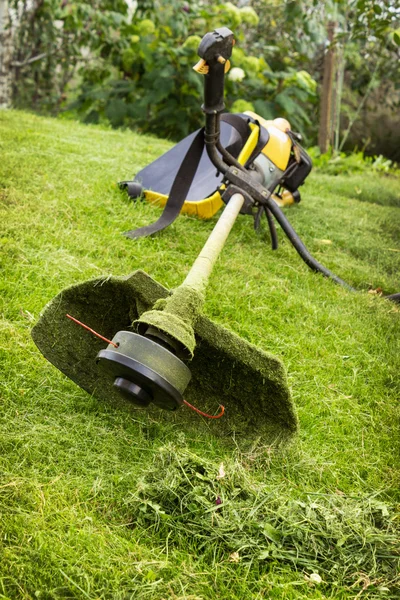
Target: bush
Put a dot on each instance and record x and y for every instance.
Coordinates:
(345, 164)
(147, 81)
(136, 70)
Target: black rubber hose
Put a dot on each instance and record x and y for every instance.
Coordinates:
(393, 297)
(257, 218)
(227, 156)
(231, 160)
(272, 229)
(300, 247)
(211, 139)
(305, 254)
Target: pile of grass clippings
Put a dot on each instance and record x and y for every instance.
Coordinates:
(220, 510)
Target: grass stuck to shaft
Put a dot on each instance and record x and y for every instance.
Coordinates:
(104, 503)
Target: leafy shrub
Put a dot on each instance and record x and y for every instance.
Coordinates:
(146, 80)
(51, 39)
(344, 164)
(136, 70)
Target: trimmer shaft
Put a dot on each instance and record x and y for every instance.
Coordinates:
(143, 371)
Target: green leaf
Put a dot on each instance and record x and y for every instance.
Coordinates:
(264, 109)
(271, 533)
(150, 576)
(286, 102)
(116, 112)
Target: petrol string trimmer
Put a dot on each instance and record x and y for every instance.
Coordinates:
(161, 349)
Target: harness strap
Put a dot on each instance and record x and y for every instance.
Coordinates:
(262, 141)
(186, 173)
(238, 122)
(179, 189)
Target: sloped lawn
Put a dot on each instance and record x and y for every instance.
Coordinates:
(99, 503)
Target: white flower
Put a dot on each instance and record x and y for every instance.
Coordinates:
(221, 471)
(315, 578)
(236, 74)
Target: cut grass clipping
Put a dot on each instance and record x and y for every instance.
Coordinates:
(231, 515)
(104, 502)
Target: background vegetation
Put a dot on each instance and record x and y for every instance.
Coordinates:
(110, 62)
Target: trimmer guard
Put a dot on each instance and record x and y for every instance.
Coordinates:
(250, 383)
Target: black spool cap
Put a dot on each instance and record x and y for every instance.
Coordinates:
(137, 382)
(142, 371)
(132, 392)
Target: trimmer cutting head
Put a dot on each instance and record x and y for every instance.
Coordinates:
(142, 371)
(250, 383)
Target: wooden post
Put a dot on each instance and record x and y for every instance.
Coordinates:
(326, 104)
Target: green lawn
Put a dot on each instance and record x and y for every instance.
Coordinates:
(99, 503)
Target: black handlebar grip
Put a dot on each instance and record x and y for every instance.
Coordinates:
(215, 48)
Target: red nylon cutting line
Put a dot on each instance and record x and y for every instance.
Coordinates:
(92, 331)
(203, 414)
(200, 412)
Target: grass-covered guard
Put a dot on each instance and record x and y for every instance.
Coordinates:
(103, 503)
